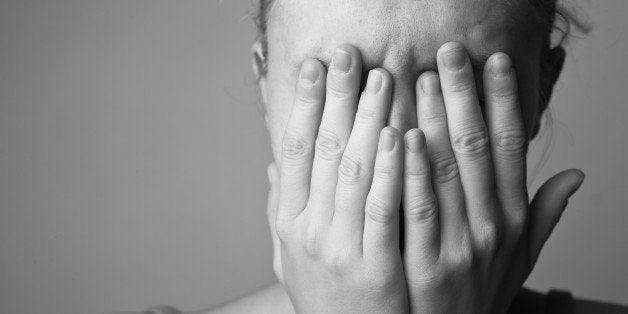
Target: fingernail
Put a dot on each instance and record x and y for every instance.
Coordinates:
(415, 141)
(388, 140)
(341, 61)
(579, 182)
(309, 73)
(374, 82)
(501, 65)
(454, 59)
(430, 84)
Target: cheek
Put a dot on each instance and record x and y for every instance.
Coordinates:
(528, 78)
(278, 106)
(529, 99)
(529, 103)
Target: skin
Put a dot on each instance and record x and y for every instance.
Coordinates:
(403, 38)
(470, 231)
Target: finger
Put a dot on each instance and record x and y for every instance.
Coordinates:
(271, 214)
(443, 167)
(548, 205)
(355, 172)
(343, 84)
(468, 134)
(299, 138)
(381, 226)
(422, 234)
(508, 136)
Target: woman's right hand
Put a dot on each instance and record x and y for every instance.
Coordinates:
(338, 240)
(339, 191)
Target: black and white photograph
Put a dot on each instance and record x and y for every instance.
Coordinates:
(314, 156)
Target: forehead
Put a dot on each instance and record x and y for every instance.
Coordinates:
(397, 34)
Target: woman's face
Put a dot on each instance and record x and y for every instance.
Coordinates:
(402, 36)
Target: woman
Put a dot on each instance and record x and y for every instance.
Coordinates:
(427, 104)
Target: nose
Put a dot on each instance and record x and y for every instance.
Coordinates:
(405, 63)
(403, 112)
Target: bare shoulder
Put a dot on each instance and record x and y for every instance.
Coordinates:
(269, 299)
(582, 306)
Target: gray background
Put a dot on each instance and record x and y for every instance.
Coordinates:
(133, 154)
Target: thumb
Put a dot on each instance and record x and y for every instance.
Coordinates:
(547, 207)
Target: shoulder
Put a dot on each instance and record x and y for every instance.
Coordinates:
(270, 299)
(559, 302)
(156, 310)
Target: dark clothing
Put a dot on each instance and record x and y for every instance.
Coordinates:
(531, 302)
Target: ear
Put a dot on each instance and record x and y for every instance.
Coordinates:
(551, 68)
(259, 63)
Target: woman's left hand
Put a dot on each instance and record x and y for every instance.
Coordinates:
(471, 237)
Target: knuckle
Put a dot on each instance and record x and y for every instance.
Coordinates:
(511, 143)
(420, 210)
(489, 236)
(383, 280)
(519, 218)
(434, 116)
(329, 146)
(517, 223)
(351, 170)
(503, 93)
(415, 173)
(307, 97)
(295, 148)
(378, 211)
(430, 279)
(340, 90)
(338, 261)
(471, 143)
(283, 228)
(365, 114)
(461, 260)
(444, 168)
(460, 85)
(385, 172)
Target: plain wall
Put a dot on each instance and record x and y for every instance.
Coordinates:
(133, 155)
